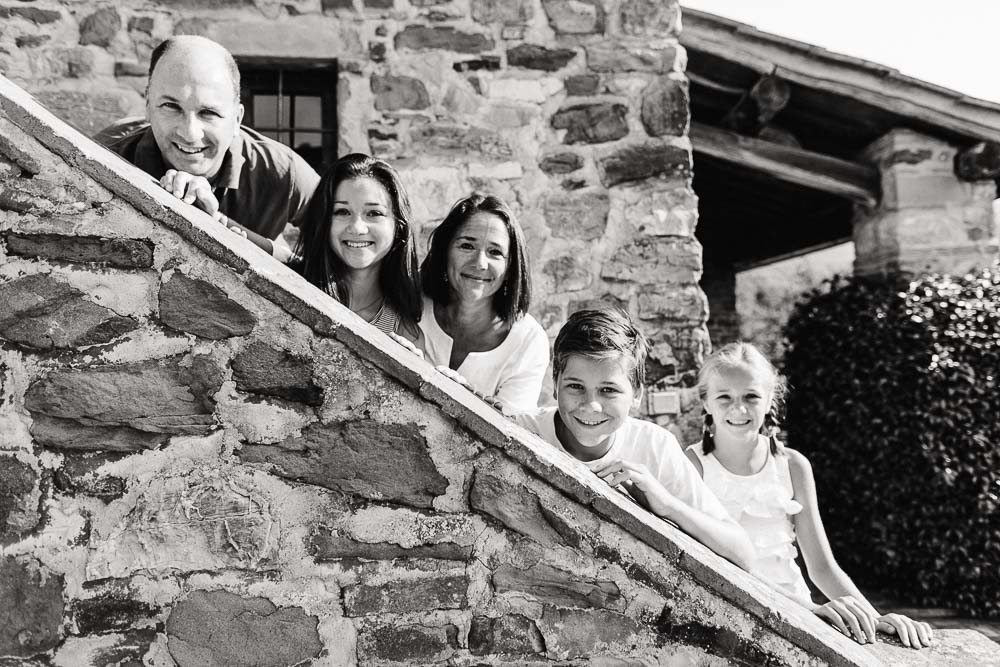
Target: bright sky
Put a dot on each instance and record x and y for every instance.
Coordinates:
(952, 43)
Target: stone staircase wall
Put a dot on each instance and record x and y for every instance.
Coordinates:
(206, 461)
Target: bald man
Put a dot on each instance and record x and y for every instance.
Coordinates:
(193, 143)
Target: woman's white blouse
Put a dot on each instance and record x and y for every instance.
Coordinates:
(512, 372)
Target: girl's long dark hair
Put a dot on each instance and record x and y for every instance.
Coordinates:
(398, 275)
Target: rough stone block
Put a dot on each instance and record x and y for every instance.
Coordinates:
(262, 369)
(459, 140)
(19, 156)
(555, 586)
(582, 84)
(114, 609)
(569, 273)
(577, 215)
(665, 107)
(30, 41)
(423, 38)
(636, 162)
(611, 57)
(40, 312)
(122, 253)
(142, 24)
(572, 633)
(575, 17)
(168, 396)
(407, 595)
(393, 93)
(512, 634)
(222, 628)
(14, 196)
(100, 27)
(32, 608)
(18, 513)
(503, 11)
(686, 303)
(592, 123)
(406, 643)
(656, 261)
(36, 15)
(200, 308)
(326, 544)
(650, 18)
(362, 458)
(534, 56)
(561, 163)
(513, 505)
(722, 642)
(127, 648)
(77, 475)
(69, 434)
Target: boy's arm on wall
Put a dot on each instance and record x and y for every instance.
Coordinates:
(722, 535)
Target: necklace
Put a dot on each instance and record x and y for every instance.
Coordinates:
(378, 301)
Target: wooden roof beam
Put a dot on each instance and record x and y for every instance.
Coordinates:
(758, 106)
(980, 162)
(852, 180)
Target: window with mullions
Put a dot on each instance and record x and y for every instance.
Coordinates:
(295, 104)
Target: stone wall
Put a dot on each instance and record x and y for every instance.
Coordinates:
(928, 219)
(206, 461)
(574, 111)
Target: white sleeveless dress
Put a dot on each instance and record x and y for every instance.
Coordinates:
(763, 505)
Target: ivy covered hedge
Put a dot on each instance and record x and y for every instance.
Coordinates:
(895, 399)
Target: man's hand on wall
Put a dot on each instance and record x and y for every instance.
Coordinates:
(191, 189)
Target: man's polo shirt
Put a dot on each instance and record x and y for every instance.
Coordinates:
(262, 184)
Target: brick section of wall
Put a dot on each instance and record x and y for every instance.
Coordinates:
(199, 519)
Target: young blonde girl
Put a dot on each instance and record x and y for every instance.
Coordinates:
(769, 489)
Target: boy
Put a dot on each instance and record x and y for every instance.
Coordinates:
(599, 366)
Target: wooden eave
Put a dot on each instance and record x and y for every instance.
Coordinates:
(935, 109)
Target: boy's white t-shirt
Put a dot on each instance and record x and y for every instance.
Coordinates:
(645, 443)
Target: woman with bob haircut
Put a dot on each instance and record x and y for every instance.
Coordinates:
(357, 245)
(477, 287)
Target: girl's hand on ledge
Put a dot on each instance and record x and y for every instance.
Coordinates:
(850, 617)
(408, 344)
(914, 634)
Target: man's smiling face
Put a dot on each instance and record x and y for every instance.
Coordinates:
(192, 110)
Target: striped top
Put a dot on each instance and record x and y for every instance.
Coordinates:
(386, 319)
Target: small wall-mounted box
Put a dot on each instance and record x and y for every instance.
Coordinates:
(664, 402)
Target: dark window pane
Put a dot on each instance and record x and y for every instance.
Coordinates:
(308, 111)
(308, 139)
(265, 110)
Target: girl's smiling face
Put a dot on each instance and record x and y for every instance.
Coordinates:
(363, 228)
(738, 398)
(478, 257)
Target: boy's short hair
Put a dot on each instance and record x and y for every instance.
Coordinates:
(601, 333)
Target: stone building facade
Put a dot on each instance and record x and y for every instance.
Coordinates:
(573, 111)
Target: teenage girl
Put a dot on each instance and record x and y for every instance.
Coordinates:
(770, 491)
(358, 246)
